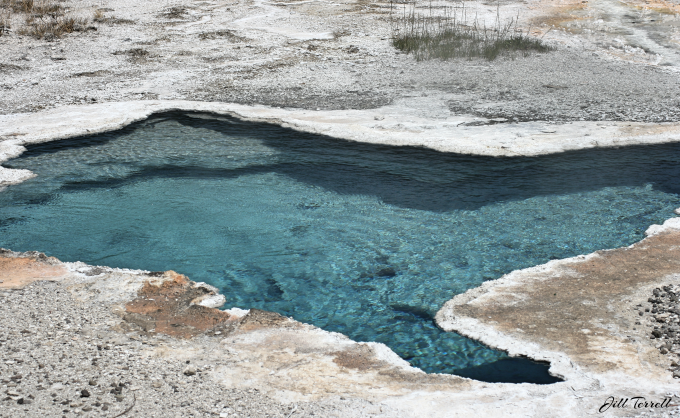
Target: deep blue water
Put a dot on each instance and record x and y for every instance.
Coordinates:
(361, 239)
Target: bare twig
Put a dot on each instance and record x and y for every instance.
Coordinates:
(292, 412)
(134, 399)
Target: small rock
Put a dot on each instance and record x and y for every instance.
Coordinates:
(87, 408)
(387, 272)
(661, 317)
(84, 393)
(92, 382)
(119, 398)
(676, 374)
(189, 371)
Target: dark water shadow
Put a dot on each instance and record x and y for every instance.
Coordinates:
(511, 370)
(410, 177)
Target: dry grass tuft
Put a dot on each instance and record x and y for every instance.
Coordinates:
(42, 19)
(177, 12)
(50, 27)
(221, 34)
(135, 55)
(100, 17)
(5, 22)
(453, 35)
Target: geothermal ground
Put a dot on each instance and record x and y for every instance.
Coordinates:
(94, 341)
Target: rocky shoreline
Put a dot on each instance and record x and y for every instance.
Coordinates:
(60, 357)
(72, 345)
(664, 310)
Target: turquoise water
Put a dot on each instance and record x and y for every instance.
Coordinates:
(361, 239)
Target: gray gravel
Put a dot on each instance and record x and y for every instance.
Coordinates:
(663, 311)
(557, 86)
(60, 357)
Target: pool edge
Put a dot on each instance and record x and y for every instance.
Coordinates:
(388, 125)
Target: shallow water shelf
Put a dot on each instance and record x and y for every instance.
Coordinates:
(366, 240)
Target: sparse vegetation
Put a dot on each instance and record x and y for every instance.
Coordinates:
(135, 55)
(221, 34)
(116, 21)
(100, 17)
(452, 35)
(42, 19)
(5, 21)
(48, 27)
(177, 12)
(337, 34)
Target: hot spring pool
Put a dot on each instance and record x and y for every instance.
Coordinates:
(361, 239)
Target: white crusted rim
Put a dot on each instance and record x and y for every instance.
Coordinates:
(397, 124)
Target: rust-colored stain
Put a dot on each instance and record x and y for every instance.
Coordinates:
(570, 310)
(358, 357)
(641, 129)
(659, 6)
(167, 308)
(558, 15)
(17, 272)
